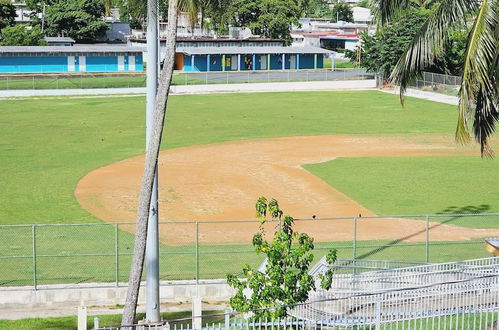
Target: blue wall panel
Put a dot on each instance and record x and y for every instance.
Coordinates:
(306, 61)
(102, 63)
(276, 62)
(216, 63)
(320, 61)
(200, 63)
(33, 64)
(139, 63)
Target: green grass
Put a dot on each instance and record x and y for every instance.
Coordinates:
(418, 185)
(66, 82)
(338, 64)
(71, 322)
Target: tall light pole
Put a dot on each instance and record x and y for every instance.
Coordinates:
(152, 245)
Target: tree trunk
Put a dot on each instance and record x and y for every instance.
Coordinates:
(150, 167)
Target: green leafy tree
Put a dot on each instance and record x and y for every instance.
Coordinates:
(380, 52)
(22, 35)
(269, 18)
(285, 281)
(318, 8)
(78, 19)
(7, 13)
(479, 91)
(363, 4)
(342, 12)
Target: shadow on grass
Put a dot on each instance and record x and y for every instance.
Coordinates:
(449, 210)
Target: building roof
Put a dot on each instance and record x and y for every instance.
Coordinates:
(214, 40)
(252, 50)
(59, 39)
(73, 49)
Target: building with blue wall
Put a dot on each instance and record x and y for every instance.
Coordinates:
(203, 59)
(64, 59)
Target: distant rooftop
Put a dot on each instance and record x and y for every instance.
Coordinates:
(252, 50)
(59, 39)
(74, 49)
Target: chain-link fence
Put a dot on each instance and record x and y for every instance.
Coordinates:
(71, 81)
(88, 81)
(439, 83)
(38, 255)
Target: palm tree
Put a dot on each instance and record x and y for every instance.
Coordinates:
(150, 167)
(478, 93)
(108, 4)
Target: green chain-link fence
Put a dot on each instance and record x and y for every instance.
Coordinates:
(37, 255)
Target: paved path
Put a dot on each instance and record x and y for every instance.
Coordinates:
(436, 97)
(201, 89)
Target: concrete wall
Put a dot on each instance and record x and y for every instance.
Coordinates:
(99, 295)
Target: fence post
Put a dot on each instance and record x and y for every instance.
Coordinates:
(354, 249)
(116, 255)
(7, 82)
(227, 319)
(378, 313)
(197, 253)
(33, 235)
(427, 239)
(33, 82)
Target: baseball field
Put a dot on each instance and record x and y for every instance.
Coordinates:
(323, 154)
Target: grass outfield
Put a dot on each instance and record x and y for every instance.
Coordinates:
(48, 144)
(414, 185)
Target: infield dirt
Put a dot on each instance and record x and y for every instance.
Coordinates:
(222, 182)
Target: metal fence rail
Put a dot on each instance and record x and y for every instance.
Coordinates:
(74, 254)
(406, 293)
(128, 80)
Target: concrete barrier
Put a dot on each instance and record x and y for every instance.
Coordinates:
(97, 294)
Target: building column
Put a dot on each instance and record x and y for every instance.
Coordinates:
(268, 62)
(315, 61)
(283, 61)
(297, 61)
(254, 62)
(192, 63)
(223, 62)
(238, 62)
(208, 62)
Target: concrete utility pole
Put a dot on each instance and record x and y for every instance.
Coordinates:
(152, 246)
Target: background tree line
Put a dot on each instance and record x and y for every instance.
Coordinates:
(380, 52)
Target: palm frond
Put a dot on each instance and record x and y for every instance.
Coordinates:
(385, 10)
(429, 41)
(478, 95)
